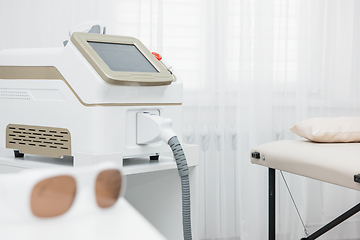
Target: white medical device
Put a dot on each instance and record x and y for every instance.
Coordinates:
(100, 95)
(83, 99)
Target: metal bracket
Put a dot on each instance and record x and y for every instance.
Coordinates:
(357, 178)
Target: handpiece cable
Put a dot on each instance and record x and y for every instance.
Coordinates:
(165, 132)
(185, 186)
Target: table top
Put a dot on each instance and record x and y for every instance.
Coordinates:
(335, 163)
(122, 221)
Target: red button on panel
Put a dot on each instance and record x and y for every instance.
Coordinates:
(158, 56)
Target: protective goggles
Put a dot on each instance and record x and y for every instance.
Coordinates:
(51, 192)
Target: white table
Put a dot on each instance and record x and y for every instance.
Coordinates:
(122, 222)
(153, 190)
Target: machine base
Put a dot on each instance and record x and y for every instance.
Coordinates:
(155, 157)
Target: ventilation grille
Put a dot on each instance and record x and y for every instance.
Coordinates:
(45, 141)
(14, 95)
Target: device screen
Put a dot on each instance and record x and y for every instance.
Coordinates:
(122, 57)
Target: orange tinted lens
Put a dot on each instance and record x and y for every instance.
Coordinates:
(107, 187)
(53, 196)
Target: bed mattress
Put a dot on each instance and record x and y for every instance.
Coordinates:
(335, 163)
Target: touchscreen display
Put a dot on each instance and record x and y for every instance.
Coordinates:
(122, 57)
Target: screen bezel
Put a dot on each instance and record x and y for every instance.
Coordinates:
(162, 77)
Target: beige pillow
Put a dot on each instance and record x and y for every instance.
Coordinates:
(342, 129)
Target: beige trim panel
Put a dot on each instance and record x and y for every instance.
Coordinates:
(162, 77)
(52, 73)
(39, 140)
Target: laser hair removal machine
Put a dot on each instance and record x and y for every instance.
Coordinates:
(100, 95)
(83, 99)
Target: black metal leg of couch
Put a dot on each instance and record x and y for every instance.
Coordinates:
(272, 224)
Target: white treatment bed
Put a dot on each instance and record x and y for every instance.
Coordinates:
(336, 163)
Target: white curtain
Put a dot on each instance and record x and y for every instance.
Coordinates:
(251, 69)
